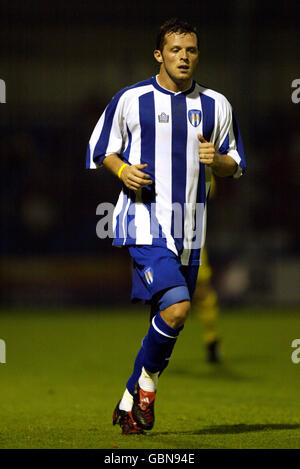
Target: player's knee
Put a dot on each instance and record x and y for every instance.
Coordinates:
(176, 314)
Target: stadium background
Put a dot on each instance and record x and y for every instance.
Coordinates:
(62, 63)
(65, 293)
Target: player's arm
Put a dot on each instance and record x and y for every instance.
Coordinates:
(132, 175)
(221, 165)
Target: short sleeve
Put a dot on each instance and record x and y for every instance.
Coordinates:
(229, 140)
(109, 133)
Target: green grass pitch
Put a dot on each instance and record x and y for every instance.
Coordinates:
(65, 371)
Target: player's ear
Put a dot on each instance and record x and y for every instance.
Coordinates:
(158, 56)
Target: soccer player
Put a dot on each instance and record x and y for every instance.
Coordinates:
(205, 301)
(163, 137)
(205, 305)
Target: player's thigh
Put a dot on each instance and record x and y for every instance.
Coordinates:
(156, 270)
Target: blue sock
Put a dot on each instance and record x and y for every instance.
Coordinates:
(167, 359)
(158, 344)
(155, 351)
(137, 369)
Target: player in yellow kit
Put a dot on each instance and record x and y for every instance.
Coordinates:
(206, 304)
(207, 309)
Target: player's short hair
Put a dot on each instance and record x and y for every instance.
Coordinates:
(174, 25)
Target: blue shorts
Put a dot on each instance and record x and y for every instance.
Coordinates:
(157, 269)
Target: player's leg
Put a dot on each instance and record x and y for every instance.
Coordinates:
(174, 306)
(157, 350)
(137, 404)
(207, 309)
(159, 342)
(156, 306)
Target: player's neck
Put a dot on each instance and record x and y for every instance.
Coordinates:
(165, 81)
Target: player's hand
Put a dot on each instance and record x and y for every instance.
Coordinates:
(134, 178)
(207, 151)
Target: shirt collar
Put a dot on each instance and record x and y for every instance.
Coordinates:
(164, 90)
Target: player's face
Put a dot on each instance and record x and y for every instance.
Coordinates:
(179, 57)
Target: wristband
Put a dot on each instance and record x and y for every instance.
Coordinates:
(121, 170)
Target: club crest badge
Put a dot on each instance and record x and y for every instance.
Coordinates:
(148, 275)
(194, 117)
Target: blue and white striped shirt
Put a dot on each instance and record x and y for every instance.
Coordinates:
(146, 123)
